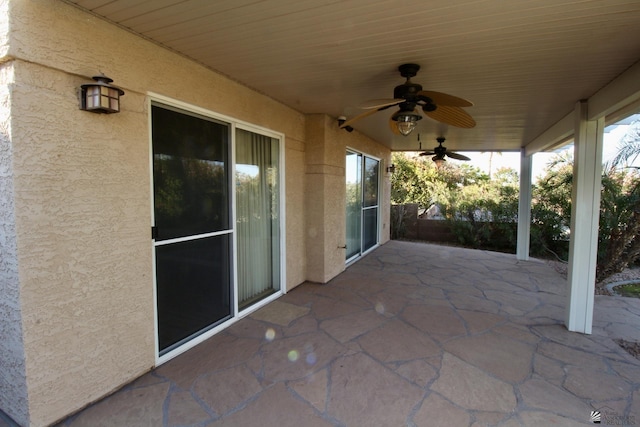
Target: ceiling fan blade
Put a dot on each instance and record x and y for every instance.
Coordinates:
(454, 116)
(457, 156)
(358, 117)
(377, 103)
(427, 153)
(440, 98)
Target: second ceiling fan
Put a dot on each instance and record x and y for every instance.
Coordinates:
(410, 98)
(442, 152)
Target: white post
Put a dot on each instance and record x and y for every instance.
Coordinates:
(524, 208)
(585, 214)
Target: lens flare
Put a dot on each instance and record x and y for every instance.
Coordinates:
(311, 359)
(380, 308)
(293, 356)
(270, 334)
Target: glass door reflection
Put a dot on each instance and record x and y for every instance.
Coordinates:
(192, 230)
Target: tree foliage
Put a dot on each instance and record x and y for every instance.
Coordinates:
(551, 209)
(619, 243)
(629, 148)
(418, 180)
(482, 212)
(619, 226)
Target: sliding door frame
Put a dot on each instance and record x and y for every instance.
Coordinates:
(363, 252)
(281, 215)
(236, 313)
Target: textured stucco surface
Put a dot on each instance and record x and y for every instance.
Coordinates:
(76, 214)
(13, 386)
(4, 30)
(315, 235)
(82, 219)
(294, 211)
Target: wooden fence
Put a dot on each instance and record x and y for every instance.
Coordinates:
(405, 224)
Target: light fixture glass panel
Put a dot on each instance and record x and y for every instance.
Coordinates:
(405, 128)
(104, 102)
(93, 94)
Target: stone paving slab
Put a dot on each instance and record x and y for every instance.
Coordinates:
(411, 335)
(280, 313)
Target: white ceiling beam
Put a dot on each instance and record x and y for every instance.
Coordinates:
(556, 135)
(619, 98)
(621, 92)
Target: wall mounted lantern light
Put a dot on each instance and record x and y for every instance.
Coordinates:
(391, 168)
(100, 96)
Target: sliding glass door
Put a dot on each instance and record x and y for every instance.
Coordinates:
(362, 210)
(354, 204)
(192, 231)
(217, 250)
(257, 216)
(370, 204)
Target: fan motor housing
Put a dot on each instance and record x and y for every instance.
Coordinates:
(408, 91)
(440, 150)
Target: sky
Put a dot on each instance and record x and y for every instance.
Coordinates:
(612, 137)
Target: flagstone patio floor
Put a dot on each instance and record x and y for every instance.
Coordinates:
(411, 335)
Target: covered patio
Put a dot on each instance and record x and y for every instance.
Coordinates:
(408, 334)
(413, 334)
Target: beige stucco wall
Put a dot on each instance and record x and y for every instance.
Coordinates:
(84, 256)
(12, 361)
(81, 309)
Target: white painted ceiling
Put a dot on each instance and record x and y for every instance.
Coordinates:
(523, 63)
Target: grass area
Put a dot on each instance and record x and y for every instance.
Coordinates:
(630, 290)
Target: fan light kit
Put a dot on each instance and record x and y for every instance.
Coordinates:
(440, 153)
(409, 97)
(406, 121)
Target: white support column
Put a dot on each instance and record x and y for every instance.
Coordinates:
(524, 208)
(585, 214)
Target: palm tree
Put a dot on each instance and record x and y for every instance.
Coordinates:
(622, 247)
(491, 154)
(629, 148)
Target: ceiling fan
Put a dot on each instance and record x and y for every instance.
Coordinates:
(440, 153)
(410, 97)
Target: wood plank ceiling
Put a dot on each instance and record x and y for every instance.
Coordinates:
(523, 63)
